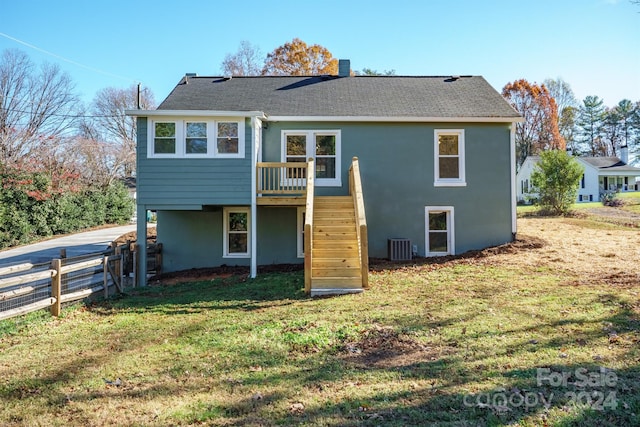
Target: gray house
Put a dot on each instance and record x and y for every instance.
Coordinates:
(326, 170)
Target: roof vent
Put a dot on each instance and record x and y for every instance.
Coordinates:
(344, 68)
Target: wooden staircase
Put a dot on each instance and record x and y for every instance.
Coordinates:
(336, 265)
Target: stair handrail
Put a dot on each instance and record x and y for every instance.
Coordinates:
(308, 225)
(355, 190)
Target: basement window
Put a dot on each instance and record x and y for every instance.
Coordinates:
(439, 234)
(236, 225)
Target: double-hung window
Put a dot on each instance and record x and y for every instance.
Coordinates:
(236, 226)
(322, 145)
(439, 226)
(227, 142)
(164, 138)
(449, 165)
(196, 138)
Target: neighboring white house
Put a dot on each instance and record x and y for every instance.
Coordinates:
(601, 174)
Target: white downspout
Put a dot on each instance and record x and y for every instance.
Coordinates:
(512, 150)
(256, 126)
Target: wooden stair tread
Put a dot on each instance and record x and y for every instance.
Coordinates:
(336, 257)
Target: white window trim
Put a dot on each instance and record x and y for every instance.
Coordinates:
(300, 229)
(311, 152)
(241, 141)
(181, 140)
(225, 232)
(449, 182)
(451, 235)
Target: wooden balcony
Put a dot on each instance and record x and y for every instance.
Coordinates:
(282, 184)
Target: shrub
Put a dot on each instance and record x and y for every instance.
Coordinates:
(611, 199)
(556, 177)
(29, 208)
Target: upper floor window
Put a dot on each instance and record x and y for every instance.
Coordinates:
(227, 142)
(195, 138)
(449, 165)
(196, 141)
(164, 141)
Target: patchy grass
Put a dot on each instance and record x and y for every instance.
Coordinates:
(627, 215)
(477, 340)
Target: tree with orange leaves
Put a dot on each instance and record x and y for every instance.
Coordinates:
(296, 58)
(539, 130)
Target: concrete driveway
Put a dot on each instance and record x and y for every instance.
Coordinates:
(75, 244)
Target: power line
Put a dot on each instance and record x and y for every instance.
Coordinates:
(68, 116)
(96, 70)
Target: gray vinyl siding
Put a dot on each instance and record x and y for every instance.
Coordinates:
(194, 239)
(165, 183)
(397, 162)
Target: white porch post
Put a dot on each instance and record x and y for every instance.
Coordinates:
(256, 126)
(512, 149)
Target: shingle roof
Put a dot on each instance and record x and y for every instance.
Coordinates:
(365, 96)
(610, 163)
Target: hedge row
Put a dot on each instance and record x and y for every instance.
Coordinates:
(28, 213)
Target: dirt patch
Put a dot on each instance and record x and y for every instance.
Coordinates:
(522, 243)
(222, 272)
(603, 254)
(383, 347)
(612, 212)
(131, 237)
(613, 215)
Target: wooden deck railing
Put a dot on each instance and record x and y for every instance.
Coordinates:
(355, 190)
(308, 228)
(281, 178)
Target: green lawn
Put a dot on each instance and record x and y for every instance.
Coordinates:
(631, 204)
(458, 343)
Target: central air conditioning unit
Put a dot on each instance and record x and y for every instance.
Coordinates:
(399, 250)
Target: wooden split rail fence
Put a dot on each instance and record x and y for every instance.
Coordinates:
(29, 287)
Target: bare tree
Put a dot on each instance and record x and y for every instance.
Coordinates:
(36, 104)
(97, 163)
(247, 61)
(110, 124)
(567, 110)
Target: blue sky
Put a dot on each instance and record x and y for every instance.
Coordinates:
(591, 44)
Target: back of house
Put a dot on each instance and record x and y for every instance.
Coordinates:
(225, 163)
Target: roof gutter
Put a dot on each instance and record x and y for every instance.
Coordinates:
(192, 113)
(398, 119)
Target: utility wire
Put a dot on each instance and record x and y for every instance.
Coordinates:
(68, 116)
(96, 70)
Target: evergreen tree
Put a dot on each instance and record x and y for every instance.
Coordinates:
(590, 124)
